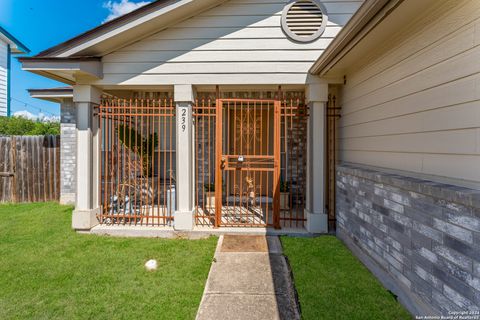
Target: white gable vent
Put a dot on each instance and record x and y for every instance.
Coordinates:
(304, 20)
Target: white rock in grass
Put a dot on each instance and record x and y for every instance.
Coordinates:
(151, 265)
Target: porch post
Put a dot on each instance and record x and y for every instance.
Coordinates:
(317, 219)
(184, 216)
(85, 98)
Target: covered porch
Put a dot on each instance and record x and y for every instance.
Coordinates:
(201, 158)
(190, 115)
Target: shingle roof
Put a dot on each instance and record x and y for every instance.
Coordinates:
(104, 27)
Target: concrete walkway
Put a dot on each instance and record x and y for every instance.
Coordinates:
(249, 279)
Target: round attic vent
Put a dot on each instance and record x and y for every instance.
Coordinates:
(304, 20)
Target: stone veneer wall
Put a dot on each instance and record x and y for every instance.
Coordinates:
(425, 235)
(68, 152)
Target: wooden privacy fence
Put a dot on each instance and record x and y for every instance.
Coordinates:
(29, 168)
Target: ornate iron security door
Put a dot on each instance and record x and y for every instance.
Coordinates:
(247, 190)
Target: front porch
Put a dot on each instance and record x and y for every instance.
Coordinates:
(196, 159)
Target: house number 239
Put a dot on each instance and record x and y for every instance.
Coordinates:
(183, 119)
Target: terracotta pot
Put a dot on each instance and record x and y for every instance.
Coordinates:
(210, 199)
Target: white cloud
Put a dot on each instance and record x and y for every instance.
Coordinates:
(40, 117)
(25, 114)
(118, 9)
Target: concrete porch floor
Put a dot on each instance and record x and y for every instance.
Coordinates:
(197, 233)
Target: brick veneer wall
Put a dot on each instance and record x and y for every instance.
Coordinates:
(425, 235)
(68, 152)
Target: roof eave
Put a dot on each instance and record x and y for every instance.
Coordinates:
(129, 28)
(65, 70)
(52, 94)
(110, 25)
(369, 15)
(15, 45)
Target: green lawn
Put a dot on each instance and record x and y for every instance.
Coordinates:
(333, 284)
(47, 271)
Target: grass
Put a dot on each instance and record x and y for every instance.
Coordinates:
(333, 284)
(47, 271)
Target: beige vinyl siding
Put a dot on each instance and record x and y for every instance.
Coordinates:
(415, 106)
(237, 42)
(3, 78)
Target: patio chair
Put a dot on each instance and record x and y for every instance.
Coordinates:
(131, 194)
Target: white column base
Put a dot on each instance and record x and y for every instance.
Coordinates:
(85, 219)
(184, 221)
(316, 222)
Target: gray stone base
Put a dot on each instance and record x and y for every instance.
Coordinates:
(410, 301)
(424, 235)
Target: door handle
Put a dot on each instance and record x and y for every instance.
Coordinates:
(222, 163)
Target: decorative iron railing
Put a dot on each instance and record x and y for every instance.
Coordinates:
(137, 162)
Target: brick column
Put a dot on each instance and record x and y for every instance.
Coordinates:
(68, 152)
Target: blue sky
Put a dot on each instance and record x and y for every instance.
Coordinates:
(41, 24)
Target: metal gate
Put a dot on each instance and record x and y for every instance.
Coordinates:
(333, 114)
(137, 166)
(248, 158)
(250, 165)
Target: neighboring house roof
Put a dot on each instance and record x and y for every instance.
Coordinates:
(15, 45)
(128, 28)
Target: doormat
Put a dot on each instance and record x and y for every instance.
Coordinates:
(239, 243)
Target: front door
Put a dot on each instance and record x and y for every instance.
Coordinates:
(247, 190)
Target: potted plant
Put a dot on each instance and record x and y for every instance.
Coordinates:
(144, 147)
(209, 194)
(284, 195)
